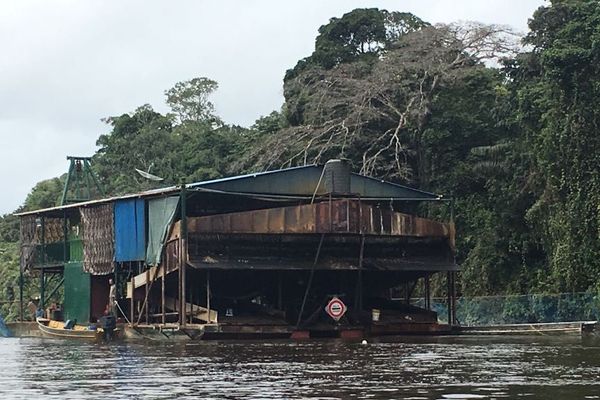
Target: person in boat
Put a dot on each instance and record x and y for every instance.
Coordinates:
(108, 322)
(112, 297)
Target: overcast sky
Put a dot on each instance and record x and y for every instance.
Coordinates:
(66, 64)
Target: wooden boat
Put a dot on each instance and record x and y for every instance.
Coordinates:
(547, 328)
(57, 329)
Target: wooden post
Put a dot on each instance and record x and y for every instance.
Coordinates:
(360, 272)
(164, 275)
(191, 306)
(183, 254)
(208, 296)
(147, 295)
(21, 292)
(427, 292)
(449, 295)
(42, 289)
(179, 268)
(132, 305)
(149, 285)
(453, 298)
(43, 270)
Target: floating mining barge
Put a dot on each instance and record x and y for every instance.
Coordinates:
(312, 251)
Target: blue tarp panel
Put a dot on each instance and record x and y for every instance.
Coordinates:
(130, 230)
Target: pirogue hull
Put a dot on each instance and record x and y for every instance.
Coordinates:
(56, 329)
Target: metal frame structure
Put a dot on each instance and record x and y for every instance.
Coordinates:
(271, 189)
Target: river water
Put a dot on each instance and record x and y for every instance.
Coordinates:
(399, 368)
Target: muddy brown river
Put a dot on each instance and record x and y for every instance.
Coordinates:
(398, 368)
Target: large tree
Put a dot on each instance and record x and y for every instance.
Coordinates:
(190, 100)
(363, 33)
(377, 113)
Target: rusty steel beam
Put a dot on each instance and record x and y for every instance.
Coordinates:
(338, 216)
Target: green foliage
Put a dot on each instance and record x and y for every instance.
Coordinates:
(361, 34)
(189, 99)
(514, 309)
(558, 86)
(195, 147)
(270, 124)
(142, 140)
(45, 194)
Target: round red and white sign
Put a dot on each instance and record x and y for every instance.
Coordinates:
(336, 308)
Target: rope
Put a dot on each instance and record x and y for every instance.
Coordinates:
(123, 313)
(312, 200)
(310, 279)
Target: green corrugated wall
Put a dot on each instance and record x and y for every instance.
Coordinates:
(77, 293)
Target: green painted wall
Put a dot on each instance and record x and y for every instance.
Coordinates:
(75, 250)
(77, 293)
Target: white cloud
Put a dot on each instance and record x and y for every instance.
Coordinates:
(66, 64)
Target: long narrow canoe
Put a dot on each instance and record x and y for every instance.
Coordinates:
(547, 328)
(57, 329)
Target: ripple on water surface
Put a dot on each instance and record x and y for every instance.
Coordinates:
(414, 368)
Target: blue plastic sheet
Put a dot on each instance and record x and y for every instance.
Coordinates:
(130, 230)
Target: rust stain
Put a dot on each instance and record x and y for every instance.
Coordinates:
(339, 216)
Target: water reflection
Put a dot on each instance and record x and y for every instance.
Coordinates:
(414, 368)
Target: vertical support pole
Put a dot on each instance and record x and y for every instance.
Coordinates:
(449, 295)
(453, 298)
(191, 305)
(65, 238)
(179, 268)
(21, 292)
(132, 305)
(147, 294)
(406, 293)
(208, 296)
(330, 215)
(360, 272)
(162, 293)
(183, 254)
(78, 180)
(427, 292)
(117, 282)
(42, 304)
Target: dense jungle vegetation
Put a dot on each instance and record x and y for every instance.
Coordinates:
(508, 126)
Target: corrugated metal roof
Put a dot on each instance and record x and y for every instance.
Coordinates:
(294, 181)
(153, 192)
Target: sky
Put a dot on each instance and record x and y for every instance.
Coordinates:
(66, 64)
